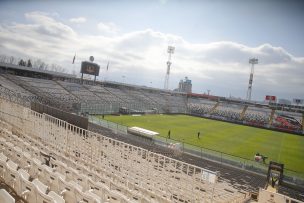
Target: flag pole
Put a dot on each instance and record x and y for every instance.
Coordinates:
(107, 71)
(73, 62)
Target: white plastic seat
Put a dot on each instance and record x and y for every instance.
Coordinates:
(9, 150)
(25, 176)
(17, 155)
(40, 186)
(2, 144)
(26, 147)
(28, 190)
(68, 190)
(42, 197)
(54, 181)
(100, 189)
(57, 198)
(3, 160)
(11, 173)
(46, 174)
(14, 139)
(61, 167)
(70, 173)
(112, 197)
(41, 192)
(5, 197)
(82, 180)
(35, 152)
(88, 197)
(3, 157)
(36, 168)
(25, 161)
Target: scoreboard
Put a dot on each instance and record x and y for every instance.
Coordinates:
(89, 68)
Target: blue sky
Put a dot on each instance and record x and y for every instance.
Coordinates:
(213, 39)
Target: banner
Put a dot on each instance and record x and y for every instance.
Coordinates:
(270, 98)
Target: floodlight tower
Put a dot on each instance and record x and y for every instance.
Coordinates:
(252, 61)
(170, 51)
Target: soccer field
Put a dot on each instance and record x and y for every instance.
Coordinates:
(238, 140)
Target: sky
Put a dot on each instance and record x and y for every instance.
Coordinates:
(213, 41)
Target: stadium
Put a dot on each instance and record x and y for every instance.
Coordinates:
(151, 101)
(69, 139)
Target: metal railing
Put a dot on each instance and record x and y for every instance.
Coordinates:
(290, 176)
(115, 127)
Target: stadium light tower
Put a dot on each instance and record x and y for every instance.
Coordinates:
(252, 61)
(170, 51)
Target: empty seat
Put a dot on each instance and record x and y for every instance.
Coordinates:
(68, 190)
(9, 147)
(90, 197)
(42, 195)
(56, 197)
(54, 182)
(28, 190)
(25, 161)
(36, 168)
(41, 190)
(5, 197)
(45, 175)
(2, 144)
(22, 175)
(11, 174)
(17, 155)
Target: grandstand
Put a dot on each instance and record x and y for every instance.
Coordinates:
(201, 106)
(61, 162)
(44, 159)
(257, 115)
(228, 111)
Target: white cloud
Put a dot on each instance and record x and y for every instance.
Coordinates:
(141, 56)
(78, 20)
(46, 25)
(107, 28)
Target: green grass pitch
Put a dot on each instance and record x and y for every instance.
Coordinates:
(238, 140)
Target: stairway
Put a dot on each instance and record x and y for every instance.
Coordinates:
(66, 89)
(40, 96)
(244, 111)
(271, 117)
(213, 108)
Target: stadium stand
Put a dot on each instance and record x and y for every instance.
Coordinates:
(261, 116)
(62, 162)
(50, 88)
(287, 120)
(103, 93)
(100, 99)
(201, 106)
(228, 111)
(46, 91)
(98, 167)
(157, 97)
(11, 86)
(79, 91)
(257, 115)
(177, 104)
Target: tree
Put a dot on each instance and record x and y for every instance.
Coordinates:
(29, 63)
(20, 63)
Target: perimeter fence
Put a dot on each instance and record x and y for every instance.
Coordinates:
(290, 176)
